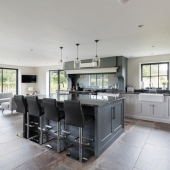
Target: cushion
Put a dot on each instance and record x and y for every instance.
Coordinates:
(4, 100)
(6, 95)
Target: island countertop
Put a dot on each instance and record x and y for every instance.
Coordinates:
(85, 99)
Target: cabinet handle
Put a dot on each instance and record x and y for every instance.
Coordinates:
(113, 112)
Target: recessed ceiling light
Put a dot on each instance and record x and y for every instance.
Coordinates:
(18, 59)
(140, 26)
(153, 46)
(31, 49)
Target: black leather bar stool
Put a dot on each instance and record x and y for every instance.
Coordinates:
(35, 109)
(21, 107)
(52, 112)
(74, 116)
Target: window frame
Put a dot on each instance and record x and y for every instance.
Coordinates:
(96, 79)
(2, 68)
(158, 63)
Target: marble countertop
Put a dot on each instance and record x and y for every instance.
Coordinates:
(85, 99)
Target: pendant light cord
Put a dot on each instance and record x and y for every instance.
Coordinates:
(96, 47)
(77, 50)
(61, 53)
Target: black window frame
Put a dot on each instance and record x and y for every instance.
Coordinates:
(158, 63)
(58, 79)
(2, 68)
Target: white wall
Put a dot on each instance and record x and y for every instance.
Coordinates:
(43, 78)
(133, 68)
(22, 87)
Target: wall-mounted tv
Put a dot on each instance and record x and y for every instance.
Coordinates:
(28, 79)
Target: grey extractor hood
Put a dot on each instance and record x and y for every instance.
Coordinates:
(92, 70)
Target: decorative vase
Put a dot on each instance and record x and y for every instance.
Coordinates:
(163, 87)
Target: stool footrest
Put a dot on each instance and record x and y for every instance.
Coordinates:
(66, 132)
(75, 154)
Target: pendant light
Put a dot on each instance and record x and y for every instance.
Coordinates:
(61, 63)
(96, 59)
(77, 61)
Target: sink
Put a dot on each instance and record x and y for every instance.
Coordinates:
(151, 97)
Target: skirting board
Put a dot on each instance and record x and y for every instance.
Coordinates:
(148, 118)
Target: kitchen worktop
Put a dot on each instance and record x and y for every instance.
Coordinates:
(85, 99)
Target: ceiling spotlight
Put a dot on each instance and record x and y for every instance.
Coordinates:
(140, 26)
(123, 1)
(153, 46)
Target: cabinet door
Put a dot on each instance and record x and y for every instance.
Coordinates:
(144, 108)
(167, 108)
(117, 114)
(157, 109)
(133, 104)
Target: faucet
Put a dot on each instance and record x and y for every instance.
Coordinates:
(153, 89)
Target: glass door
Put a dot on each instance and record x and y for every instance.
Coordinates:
(9, 80)
(58, 82)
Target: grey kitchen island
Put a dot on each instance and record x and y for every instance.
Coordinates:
(108, 123)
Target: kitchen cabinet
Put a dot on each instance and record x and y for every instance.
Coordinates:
(157, 109)
(131, 103)
(144, 108)
(167, 107)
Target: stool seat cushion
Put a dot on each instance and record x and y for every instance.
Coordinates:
(88, 119)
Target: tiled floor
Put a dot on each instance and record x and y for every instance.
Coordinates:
(144, 146)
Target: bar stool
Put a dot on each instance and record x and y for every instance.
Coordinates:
(21, 107)
(34, 109)
(74, 116)
(52, 112)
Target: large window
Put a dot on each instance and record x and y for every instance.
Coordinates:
(58, 81)
(99, 80)
(155, 74)
(9, 80)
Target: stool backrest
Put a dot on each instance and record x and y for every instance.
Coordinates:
(73, 113)
(20, 102)
(34, 108)
(51, 110)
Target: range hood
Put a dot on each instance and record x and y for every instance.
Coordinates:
(93, 70)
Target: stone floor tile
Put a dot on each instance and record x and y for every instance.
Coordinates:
(18, 157)
(159, 137)
(62, 167)
(144, 126)
(135, 138)
(154, 158)
(120, 157)
(9, 147)
(163, 126)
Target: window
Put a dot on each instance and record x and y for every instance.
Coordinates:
(9, 80)
(99, 80)
(155, 74)
(58, 81)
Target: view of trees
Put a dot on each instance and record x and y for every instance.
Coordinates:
(8, 80)
(155, 74)
(100, 80)
(54, 79)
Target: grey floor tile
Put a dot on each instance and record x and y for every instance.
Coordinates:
(1, 134)
(159, 137)
(135, 138)
(12, 130)
(154, 158)
(12, 146)
(144, 126)
(19, 156)
(7, 138)
(120, 157)
(62, 167)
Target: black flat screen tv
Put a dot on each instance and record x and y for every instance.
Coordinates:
(28, 79)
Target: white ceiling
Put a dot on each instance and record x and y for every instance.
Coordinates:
(45, 25)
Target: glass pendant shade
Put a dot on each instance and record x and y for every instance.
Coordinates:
(96, 59)
(77, 61)
(61, 64)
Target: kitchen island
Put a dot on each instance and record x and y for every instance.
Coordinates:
(108, 123)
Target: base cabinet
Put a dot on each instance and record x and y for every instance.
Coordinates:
(152, 111)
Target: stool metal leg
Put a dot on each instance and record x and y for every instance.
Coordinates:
(58, 140)
(28, 122)
(80, 144)
(41, 131)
